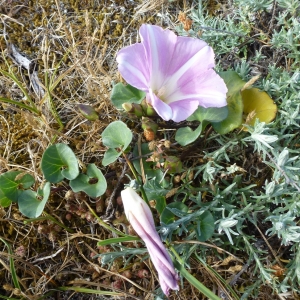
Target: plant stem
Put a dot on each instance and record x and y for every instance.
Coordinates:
(134, 172)
(179, 264)
(49, 217)
(32, 109)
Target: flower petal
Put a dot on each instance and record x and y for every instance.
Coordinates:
(172, 69)
(131, 199)
(159, 46)
(191, 55)
(153, 243)
(183, 109)
(162, 108)
(158, 254)
(133, 66)
(208, 89)
(166, 271)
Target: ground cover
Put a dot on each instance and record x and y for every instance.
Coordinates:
(230, 207)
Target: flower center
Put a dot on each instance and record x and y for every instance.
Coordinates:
(161, 94)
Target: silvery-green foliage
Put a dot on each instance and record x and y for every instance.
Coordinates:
(273, 204)
(262, 142)
(255, 5)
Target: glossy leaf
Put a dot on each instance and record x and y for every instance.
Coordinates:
(187, 135)
(117, 135)
(235, 104)
(4, 201)
(125, 93)
(25, 181)
(258, 104)
(110, 156)
(82, 290)
(29, 203)
(59, 162)
(86, 183)
(211, 114)
(11, 183)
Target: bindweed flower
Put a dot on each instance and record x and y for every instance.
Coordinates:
(175, 72)
(140, 217)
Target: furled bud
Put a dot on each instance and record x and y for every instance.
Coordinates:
(133, 108)
(140, 217)
(88, 112)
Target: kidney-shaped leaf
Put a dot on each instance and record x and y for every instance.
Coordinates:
(59, 162)
(125, 93)
(235, 104)
(258, 104)
(11, 183)
(211, 114)
(93, 184)
(32, 204)
(187, 135)
(4, 201)
(110, 156)
(117, 135)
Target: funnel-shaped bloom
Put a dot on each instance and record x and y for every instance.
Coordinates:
(140, 217)
(175, 72)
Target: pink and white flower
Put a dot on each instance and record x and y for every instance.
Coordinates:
(175, 72)
(140, 217)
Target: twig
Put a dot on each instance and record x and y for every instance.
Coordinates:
(49, 256)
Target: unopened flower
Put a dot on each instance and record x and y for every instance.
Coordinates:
(175, 72)
(140, 217)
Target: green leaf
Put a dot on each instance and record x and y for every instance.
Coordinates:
(26, 181)
(13, 272)
(195, 282)
(156, 189)
(30, 205)
(122, 239)
(59, 162)
(186, 135)
(78, 289)
(160, 203)
(210, 114)
(83, 182)
(110, 156)
(167, 217)
(4, 201)
(235, 104)
(117, 135)
(125, 93)
(205, 226)
(10, 185)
